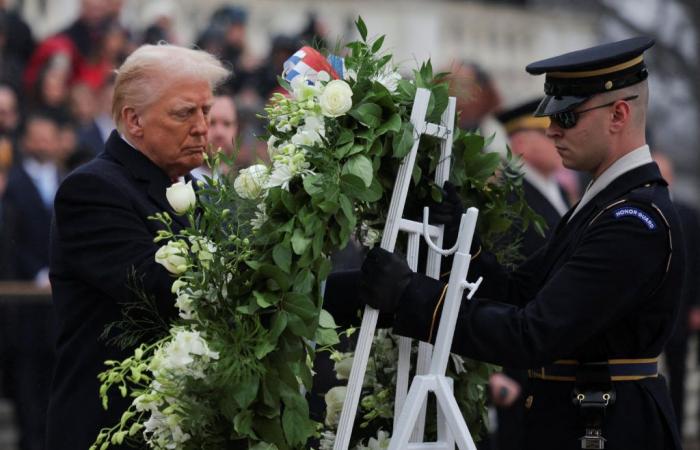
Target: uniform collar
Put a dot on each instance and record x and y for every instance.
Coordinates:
(630, 161)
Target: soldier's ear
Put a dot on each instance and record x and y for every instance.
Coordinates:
(132, 121)
(621, 115)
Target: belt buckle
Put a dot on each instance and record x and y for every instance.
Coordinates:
(593, 439)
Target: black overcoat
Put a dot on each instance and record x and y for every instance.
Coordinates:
(100, 234)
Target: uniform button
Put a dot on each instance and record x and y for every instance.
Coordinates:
(528, 402)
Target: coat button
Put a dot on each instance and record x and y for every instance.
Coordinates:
(528, 402)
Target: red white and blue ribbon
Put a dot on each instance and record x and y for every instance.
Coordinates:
(308, 62)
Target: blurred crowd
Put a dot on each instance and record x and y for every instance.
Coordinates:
(55, 106)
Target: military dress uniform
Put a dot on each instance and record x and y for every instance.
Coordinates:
(589, 313)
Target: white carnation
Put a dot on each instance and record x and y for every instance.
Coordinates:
(388, 79)
(334, 404)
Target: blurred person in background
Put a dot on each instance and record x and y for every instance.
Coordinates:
(28, 199)
(51, 91)
(159, 17)
(223, 132)
(265, 79)
(232, 22)
(478, 100)
(82, 104)
(9, 113)
(688, 323)
(94, 134)
(19, 43)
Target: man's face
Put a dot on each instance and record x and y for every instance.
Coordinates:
(173, 129)
(537, 150)
(223, 124)
(41, 139)
(8, 111)
(584, 147)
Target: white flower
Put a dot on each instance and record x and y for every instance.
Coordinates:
(323, 76)
(204, 248)
(302, 90)
(315, 124)
(389, 79)
(336, 98)
(334, 404)
(181, 196)
(306, 138)
(172, 257)
(185, 303)
(250, 181)
(271, 147)
(281, 176)
(342, 368)
(260, 218)
(458, 362)
(350, 74)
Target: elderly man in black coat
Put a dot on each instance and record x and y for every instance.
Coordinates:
(101, 233)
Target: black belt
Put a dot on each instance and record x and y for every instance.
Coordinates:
(620, 369)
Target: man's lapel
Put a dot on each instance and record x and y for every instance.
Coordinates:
(154, 179)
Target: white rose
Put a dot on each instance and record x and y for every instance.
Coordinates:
(342, 368)
(181, 196)
(271, 146)
(336, 98)
(250, 181)
(172, 257)
(334, 404)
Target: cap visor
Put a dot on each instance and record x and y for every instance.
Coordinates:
(556, 104)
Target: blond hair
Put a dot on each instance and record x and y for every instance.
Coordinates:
(142, 77)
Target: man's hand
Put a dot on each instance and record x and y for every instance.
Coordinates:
(504, 390)
(449, 211)
(384, 278)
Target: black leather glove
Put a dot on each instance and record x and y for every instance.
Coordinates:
(384, 279)
(449, 211)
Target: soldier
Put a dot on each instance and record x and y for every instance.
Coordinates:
(590, 312)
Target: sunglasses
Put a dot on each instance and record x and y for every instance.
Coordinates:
(568, 119)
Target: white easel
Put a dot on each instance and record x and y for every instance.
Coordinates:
(415, 230)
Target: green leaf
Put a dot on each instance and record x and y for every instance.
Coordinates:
(361, 167)
(299, 242)
(361, 27)
(393, 124)
(264, 300)
(263, 348)
(313, 185)
(378, 43)
(246, 390)
(403, 140)
(344, 137)
(346, 206)
(300, 305)
(368, 114)
(243, 423)
(326, 336)
(264, 446)
(271, 429)
(282, 255)
(275, 273)
(295, 419)
(279, 323)
(304, 282)
(325, 320)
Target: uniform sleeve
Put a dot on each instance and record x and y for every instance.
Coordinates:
(620, 260)
(102, 238)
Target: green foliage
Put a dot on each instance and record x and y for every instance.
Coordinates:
(254, 264)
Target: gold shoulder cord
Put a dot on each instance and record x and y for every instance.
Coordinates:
(435, 311)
